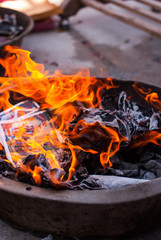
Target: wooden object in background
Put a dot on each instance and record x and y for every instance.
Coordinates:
(137, 9)
(152, 3)
(37, 9)
(127, 18)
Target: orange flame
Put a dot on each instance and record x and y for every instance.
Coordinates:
(29, 79)
(148, 137)
(61, 93)
(148, 95)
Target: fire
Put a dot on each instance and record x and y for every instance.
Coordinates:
(26, 77)
(148, 95)
(35, 172)
(148, 137)
(62, 94)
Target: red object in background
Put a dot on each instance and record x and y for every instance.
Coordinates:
(44, 25)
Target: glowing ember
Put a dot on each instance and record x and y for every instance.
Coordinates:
(62, 127)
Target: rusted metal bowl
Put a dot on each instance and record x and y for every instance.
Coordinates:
(22, 20)
(100, 213)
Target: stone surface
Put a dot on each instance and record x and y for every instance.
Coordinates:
(105, 46)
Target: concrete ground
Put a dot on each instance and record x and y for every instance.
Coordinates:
(106, 47)
(100, 43)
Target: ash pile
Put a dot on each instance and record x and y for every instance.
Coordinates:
(113, 145)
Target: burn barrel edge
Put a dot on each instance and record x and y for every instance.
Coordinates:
(37, 210)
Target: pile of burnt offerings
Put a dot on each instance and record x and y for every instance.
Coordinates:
(115, 142)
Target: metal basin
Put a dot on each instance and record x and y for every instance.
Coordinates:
(23, 20)
(100, 213)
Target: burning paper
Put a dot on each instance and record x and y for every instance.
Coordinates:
(72, 128)
(27, 137)
(19, 110)
(25, 130)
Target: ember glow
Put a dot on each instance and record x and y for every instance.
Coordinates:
(56, 128)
